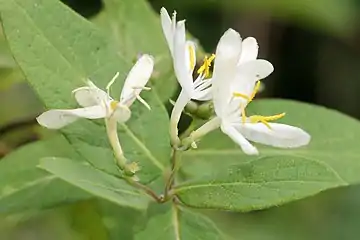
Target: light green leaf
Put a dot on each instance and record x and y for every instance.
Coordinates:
(57, 51)
(24, 186)
(135, 28)
(96, 182)
(221, 176)
(181, 224)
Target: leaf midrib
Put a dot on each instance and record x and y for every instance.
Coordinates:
(221, 184)
(29, 185)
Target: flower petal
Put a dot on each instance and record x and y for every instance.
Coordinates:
(249, 50)
(121, 113)
(136, 80)
(181, 61)
(249, 73)
(168, 28)
(90, 95)
(280, 135)
(227, 56)
(58, 118)
(203, 95)
(203, 91)
(191, 56)
(236, 136)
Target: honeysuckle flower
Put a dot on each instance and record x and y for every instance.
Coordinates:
(184, 60)
(235, 82)
(97, 104)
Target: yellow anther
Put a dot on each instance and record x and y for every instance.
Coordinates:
(265, 119)
(113, 105)
(205, 68)
(274, 117)
(256, 89)
(191, 56)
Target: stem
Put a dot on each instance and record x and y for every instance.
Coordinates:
(146, 189)
(179, 106)
(189, 130)
(111, 129)
(201, 131)
(175, 165)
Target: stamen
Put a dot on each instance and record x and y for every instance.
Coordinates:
(265, 119)
(143, 101)
(266, 124)
(243, 115)
(111, 83)
(191, 56)
(205, 68)
(251, 97)
(237, 94)
(256, 89)
(274, 117)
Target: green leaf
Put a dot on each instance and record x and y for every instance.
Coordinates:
(135, 28)
(57, 50)
(180, 225)
(24, 186)
(96, 182)
(221, 176)
(77, 221)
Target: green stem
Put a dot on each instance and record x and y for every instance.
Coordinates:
(175, 165)
(121, 161)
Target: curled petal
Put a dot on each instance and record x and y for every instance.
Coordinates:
(58, 118)
(227, 56)
(249, 50)
(90, 95)
(167, 27)
(278, 135)
(236, 136)
(248, 73)
(136, 80)
(181, 59)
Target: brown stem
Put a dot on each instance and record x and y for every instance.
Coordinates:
(147, 190)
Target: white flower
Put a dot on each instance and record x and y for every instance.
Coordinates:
(235, 82)
(184, 60)
(97, 103)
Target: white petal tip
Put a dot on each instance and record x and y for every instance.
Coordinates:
(146, 58)
(231, 32)
(49, 120)
(253, 151)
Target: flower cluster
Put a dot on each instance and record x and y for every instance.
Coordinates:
(233, 84)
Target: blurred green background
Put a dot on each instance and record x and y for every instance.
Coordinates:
(314, 46)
